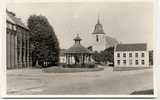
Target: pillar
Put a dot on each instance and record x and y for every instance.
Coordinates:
(20, 49)
(23, 48)
(15, 50)
(28, 51)
(8, 49)
(11, 50)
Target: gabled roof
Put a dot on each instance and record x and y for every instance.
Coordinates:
(11, 18)
(131, 47)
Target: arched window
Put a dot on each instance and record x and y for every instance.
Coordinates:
(97, 39)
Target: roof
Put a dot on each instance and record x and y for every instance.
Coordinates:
(98, 28)
(11, 18)
(62, 51)
(131, 47)
(111, 42)
(77, 38)
(78, 48)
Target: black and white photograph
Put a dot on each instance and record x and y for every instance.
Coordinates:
(80, 48)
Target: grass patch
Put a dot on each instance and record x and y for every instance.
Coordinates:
(70, 70)
(129, 68)
(144, 92)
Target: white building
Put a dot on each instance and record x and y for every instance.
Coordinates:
(131, 55)
(99, 39)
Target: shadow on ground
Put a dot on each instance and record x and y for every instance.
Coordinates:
(144, 92)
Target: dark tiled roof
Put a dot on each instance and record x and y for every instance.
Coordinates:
(77, 38)
(98, 28)
(78, 48)
(131, 47)
(62, 51)
(16, 20)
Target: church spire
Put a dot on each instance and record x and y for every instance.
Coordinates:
(98, 22)
(98, 27)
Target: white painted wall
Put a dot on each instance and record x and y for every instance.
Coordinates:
(62, 59)
(101, 44)
(133, 59)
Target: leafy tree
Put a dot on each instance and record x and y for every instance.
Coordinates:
(109, 54)
(43, 40)
(104, 56)
(96, 57)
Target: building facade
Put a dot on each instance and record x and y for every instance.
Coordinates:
(98, 37)
(100, 41)
(17, 42)
(131, 55)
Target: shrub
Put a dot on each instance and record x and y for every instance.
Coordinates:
(79, 65)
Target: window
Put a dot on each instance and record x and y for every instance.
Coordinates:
(118, 54)
(142, 55)
(97, 39)
(136, 55)
(124, 54)
(130, 62)
(124, 62)
(130, 54)
(142, 62)
(118, 62)
(136, 62)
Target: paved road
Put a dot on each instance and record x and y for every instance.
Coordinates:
(34, 81)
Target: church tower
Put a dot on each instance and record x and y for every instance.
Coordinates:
(98, 37)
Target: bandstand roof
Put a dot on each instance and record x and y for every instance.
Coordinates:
(78, 48)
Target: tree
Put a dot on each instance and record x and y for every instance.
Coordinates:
(44, 41)
(104, 56)
(96, 57)
(109, 54)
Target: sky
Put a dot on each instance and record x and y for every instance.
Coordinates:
(128, 22)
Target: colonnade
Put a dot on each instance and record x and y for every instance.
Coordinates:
(17, 44)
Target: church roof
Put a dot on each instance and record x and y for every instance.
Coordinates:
(131, 47)
(11, 18)
(98, 28)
